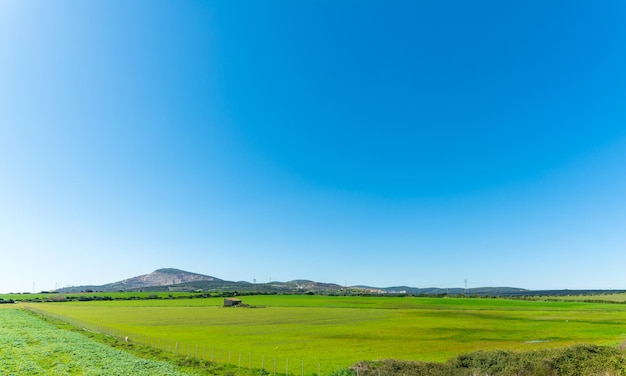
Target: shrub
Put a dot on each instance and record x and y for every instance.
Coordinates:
(576, 360)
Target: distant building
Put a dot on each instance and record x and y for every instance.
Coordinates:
(231, 302)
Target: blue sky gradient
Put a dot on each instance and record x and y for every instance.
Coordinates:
(359, 142)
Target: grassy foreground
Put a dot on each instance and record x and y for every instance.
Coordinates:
(309, 334)
(31, 346)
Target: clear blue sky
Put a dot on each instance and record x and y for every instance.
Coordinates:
(415, 143)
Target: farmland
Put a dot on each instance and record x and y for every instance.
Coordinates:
(325, 333)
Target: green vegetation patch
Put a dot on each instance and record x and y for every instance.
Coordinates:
(616, 298)
(97, 296)
(31, 346)
(575, 360)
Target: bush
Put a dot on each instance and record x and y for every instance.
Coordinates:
(391, 367)
(588, 360)
(576, 360)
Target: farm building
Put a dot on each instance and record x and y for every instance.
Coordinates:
(231, 302)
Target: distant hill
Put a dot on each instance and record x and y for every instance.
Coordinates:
(176, 280)
(159, 279)
(218, 285)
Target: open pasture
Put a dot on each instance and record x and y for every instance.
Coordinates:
(331, 332)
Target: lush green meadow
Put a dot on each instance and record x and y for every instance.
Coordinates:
(30, 346)
(325, 332)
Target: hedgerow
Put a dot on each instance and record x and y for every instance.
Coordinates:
(588, 360)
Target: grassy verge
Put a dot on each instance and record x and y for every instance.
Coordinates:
(32, 346)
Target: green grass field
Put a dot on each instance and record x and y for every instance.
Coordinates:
(331, 332)
(31, 346)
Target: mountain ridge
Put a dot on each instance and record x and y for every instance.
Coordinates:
(158, 278)
(172, 279)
